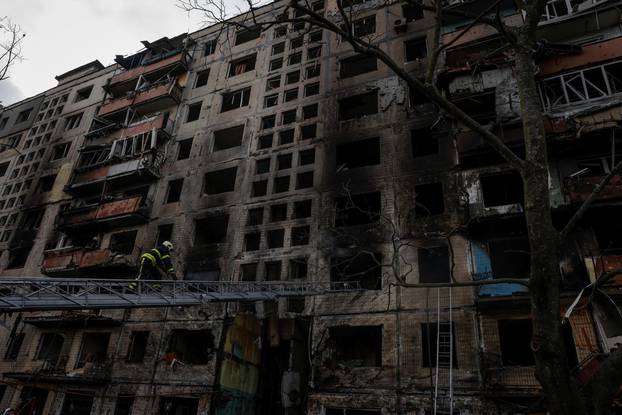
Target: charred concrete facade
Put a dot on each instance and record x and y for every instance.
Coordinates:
(283, 155)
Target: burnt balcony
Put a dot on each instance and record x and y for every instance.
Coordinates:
(94, 373)
(579, 188)
(113, 214)
(116, 172)
(173, 62)
(155, 97)
(598, 265)
(78, 261)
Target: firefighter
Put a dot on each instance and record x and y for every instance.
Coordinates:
(155, 264)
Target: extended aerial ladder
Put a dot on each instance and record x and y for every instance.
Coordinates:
(37, 294)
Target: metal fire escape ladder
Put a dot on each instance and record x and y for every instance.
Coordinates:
(37, 294)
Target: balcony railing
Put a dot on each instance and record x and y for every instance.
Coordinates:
(155, 97)
(123, 212)
(578, 189)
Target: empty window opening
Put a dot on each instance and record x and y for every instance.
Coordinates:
(275, 238)
(278, 213)
(308, 131)
(300, 235)
(357, 209)
(357, 65)
(84, 93)
(429, 199)
(502, 189)
(423, 142)
(365, 26)
(415, 49)
(220, 181)
(228, 138)
(202, 78)
(138, 346)
(246, 35)
(481, 107)
(173, 193)
(77, 403)
(124, 405)
(46, 183)
(438, 340)
(273, 271)
(94, 349)
(284, 161)
(358, 105)
(262, 166)
(433, 264)
(165, 233)
(194, 111)
(302, 209)
(286, 137)
(211, 230)
(260, 188)
(357, 346)
(123, 242)
(412, 12)
(235, 99)
(281, 184)
(358, 154)
(60, 151)
(268, 122)
(289, 117)
(304, 180)
(251, 241)
(515, 342)
(364, 268)
(510, 258)
(184, 148)
(243, 65)
(255, 216)
(298, 268)
(14, 346)
(306, 157)
(248, 272)
(265, 141)
(191, 347)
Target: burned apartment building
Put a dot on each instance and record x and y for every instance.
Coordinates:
(282, 155)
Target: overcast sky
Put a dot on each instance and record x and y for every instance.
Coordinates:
(64, 34)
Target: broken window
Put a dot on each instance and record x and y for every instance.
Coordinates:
(60, 151)
(304, 180)
(209, 48)
(438, 341)
(178, 406)
(281, 184)
(481, 107)
(138, 347)
(220, 181)
(124, 405)
(255, 216)
(509, 258)
(46, 183)
(302, 209)
(358, 154)
(357, 209)
(247, 34)
(429, 199)
(165, 233)
(173, 193)
(364, 268)
(211, 229)
(242, 65)
(184, 147)
(306, 157)
(248, 272)
(252, 241)
(235, 99)
(191, 347)
(300, 235)
(123, 242)
(515, 342)
(357, 346)
(273, 271)
(228, 138)
(265, 141)
(14, 346)
(423, 142)
(502, 189)
(357, 65)
(94, 349)
(286, 137)
(202, 78)
(78, 403)
(433, 264)
(260, 188)
(365, 26)
(284, 161)
(262, 166)
(298, 268)
(275, 238)
(278, 213)
(412, 12)
(415, 49)
(358, 105)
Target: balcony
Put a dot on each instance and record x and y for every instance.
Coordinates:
(578, 189)
(95, 373)
(170, 63)
(76, 261)
(118, 213)
(598, 265)
(91, 179)
(155, 97)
